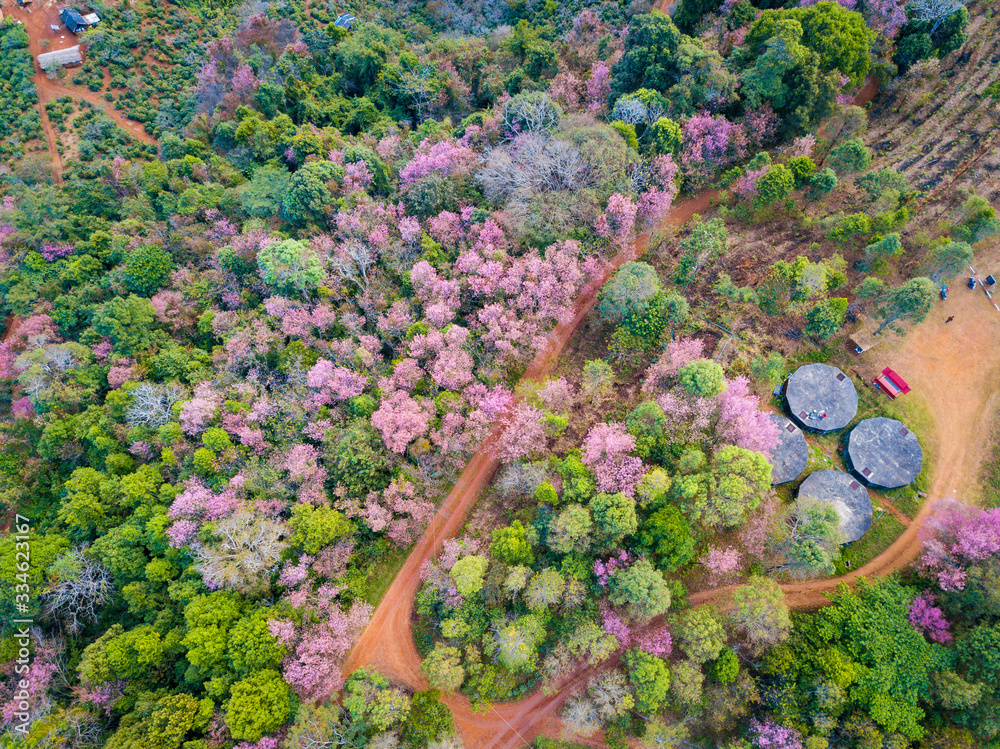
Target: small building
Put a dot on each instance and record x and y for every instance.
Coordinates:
(893, 385)
(76, 22)
(848, 497)
(821, 398)
(60, 58)
(883, 453)
(792, 453)
(862, 340)
(345, 21)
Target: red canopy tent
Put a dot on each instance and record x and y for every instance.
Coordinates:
(892, 383)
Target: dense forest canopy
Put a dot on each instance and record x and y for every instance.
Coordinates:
(263, 307)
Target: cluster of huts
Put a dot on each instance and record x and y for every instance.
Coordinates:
(77, 23)
(880, 453)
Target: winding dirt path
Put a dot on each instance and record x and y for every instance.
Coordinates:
(387, 643)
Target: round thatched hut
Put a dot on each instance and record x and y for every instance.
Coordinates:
(792, 453)
(821, 398)
(848, 497)
(883, 453)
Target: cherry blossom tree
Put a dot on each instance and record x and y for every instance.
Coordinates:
(605, 451)
(956, 536)
(400, 419)
(523, 435)
(741, 422)
(617, 223)
(722, 563)
(929, 619)
(771, 735)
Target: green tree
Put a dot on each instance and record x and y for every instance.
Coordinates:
(442, 668)
(511, 544)
(146, 270)
(687, 684)
(703, 378)
(707, 240)
(315, 528)
(164, 724)
(128, 322)
(726, 667)
(571, 530)
(310, 199)
(355, 458)
(650, 679)
(907, 303)
(948, 260)
(775, 185)
(290, 266)
(700, 633)
(642, 589)
(825, 318)
(850, 156)
(821, 184)
(258, 704)
(262, 196)
(251, 646)
(647, 424)
(648, 58)
(838, 36)
(545, 589)
(786, 73)
(666, 136)
(209, 619)
(760, 611)
(614, 518)
(884, 248)
(629, 291)
(598, 379)
(733, 487)
(468, 574)
(428, 721)
(517, 643)
(666, 534)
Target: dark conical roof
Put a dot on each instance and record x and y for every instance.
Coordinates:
(848, 497)
(821, 398)
(884, 453)
(792, 453)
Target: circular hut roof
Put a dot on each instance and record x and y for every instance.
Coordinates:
(791, 454)
(821, 398)
(848, 497)
(884, 453)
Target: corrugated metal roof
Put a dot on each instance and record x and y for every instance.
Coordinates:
(60, 57)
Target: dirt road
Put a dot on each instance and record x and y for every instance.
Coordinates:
(387, 643)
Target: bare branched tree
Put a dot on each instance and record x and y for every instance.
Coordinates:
(531, 164)
(82, 587)
(152, 404)
(532, 112)
(249, 546)
(419, 83)
(352, 261)
(934, 12)
(633, 111)
(580, 716)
